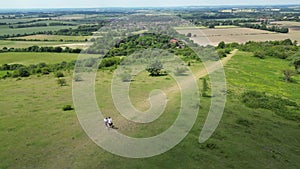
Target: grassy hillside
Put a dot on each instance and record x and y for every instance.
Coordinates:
(38, 134)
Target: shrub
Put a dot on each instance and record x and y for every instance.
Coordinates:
(288, 74)
(260, 54)
(23, 72)
(45, 71)
(108, 62)
(180, 71)
(59, 74)
(125, 77)
(211, 146)
(67, 108)
(77, 78)
(282, 107)
(62, 82)
(244, 122)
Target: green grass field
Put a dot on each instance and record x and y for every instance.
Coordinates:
(54, 37)
(5, 30)
(18, 20)
(27, 58)
(264, 75)
(36, 133)
(26, 44)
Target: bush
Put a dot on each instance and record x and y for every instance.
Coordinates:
(23, 72)
(59, 74)
(62, 82)
(180, 71)
(288, 74)
(282, 107)
(260, 54)
(77, 78)
(125, 77)
(108, 62)
(67, 108)
(45, 71)
(244, 122)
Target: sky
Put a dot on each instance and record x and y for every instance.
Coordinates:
(134, 3)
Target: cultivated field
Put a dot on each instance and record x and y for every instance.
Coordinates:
(240, 35)
(289, 24)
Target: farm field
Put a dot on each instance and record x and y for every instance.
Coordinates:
(81, 45)
(290, 24)
(73, 17)
(38, 134)
(239, 35)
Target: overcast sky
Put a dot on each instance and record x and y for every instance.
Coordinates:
(133, 3)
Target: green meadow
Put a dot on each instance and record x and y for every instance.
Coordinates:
(39, 134)
(26, 44)
(5, 30)
(27, 58)
(54, 38)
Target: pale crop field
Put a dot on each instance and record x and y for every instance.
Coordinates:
(240, 35)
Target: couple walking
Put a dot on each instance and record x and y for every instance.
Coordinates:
(108, 122)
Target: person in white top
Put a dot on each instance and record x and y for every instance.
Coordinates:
(110, 122)
(106, 121)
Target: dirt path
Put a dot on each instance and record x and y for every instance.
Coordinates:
(213, 66)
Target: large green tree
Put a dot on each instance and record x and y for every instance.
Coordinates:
(295, 61)
(155, 68)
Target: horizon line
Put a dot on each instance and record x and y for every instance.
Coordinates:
(213, 5)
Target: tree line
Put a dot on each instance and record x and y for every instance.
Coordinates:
(41, 25)
(83, 30)
(273, 28)
(19, 70)
(42, 49)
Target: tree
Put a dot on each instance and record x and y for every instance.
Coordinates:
(211, 26)
(204, 87)
(155, 68)
(59, 74)
(288, 73)
(221, 45)
(296, 61)
(23, 72)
